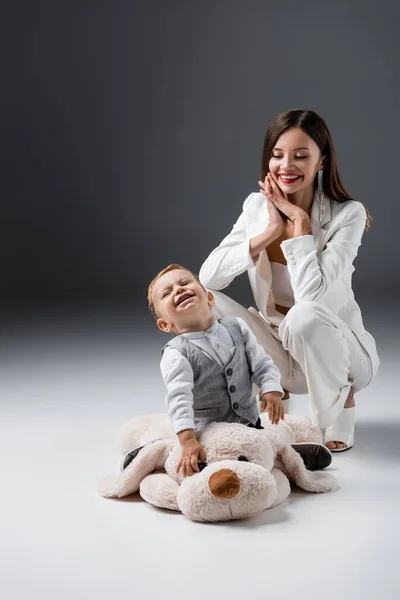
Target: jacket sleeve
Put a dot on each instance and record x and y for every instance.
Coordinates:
(230, 258)
(178, 378)
(265, 373)
(312, 276)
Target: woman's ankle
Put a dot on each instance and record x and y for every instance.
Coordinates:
(350, 400)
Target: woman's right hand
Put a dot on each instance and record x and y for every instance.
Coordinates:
(276, 221)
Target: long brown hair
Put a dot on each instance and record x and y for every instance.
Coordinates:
(316, 128)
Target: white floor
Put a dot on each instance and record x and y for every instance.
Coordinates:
(65, 389)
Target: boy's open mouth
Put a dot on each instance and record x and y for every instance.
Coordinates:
(184, 297)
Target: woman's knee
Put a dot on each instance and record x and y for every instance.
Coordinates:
(301, 320)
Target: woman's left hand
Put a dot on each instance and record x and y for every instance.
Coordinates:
(294, 213)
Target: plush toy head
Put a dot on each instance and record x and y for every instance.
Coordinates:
(235, 482)
(238, 480)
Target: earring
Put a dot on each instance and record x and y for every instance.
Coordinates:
(320, 195)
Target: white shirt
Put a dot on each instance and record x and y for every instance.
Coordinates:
(281, 286)
(218, 344)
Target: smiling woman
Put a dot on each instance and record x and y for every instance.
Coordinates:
(297, 239)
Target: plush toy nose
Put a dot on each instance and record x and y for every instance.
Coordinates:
(224, 484)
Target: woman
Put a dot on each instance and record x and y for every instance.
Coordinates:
(297, 238)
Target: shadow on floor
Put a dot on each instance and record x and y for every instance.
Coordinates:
(378, 439)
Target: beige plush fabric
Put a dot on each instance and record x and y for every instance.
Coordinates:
(227, 488)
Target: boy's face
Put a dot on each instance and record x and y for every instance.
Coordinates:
(180, 301)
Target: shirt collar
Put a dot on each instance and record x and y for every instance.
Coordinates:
(195, 335)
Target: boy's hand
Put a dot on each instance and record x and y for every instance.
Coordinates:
(192, 453)
(272, 402)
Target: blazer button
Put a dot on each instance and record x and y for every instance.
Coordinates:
(229, 372)
(235, 405)
(232, 389)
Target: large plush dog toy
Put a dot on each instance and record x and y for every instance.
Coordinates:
(247, 471)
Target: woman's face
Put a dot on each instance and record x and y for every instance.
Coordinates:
(295, 161)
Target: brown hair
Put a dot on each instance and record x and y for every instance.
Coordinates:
(315, 127)
(172, 267)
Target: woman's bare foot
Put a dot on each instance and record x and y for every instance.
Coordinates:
(348, 404)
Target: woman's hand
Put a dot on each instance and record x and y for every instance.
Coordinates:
(293, 213)
(275, 217)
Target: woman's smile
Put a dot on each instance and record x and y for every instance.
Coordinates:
(289, 179)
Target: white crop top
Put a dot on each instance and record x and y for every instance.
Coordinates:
(281, 286)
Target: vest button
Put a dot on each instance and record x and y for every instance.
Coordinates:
(232, 389)
(229, 372)
(235, 405)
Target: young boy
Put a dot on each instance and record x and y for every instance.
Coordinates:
(209, 368)
(210, 365)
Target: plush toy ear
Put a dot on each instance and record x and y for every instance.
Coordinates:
(294, 468)
(148, 459)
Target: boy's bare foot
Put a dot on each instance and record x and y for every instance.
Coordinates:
(348, 404)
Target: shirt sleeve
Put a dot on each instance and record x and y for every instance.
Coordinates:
(312, 276)
(178, 378)
(231, 258)
(265, 373)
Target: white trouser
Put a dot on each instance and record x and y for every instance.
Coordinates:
(315, 351)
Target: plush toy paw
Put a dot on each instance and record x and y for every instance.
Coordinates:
(110, 487)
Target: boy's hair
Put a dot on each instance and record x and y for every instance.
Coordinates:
(172, 267)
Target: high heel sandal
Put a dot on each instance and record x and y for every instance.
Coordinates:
(342, 430)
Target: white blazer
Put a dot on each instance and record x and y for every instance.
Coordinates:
(320, 265)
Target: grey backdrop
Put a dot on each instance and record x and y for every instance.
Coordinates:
(131, 132)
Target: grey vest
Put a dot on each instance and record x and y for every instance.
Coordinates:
(220, 393)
